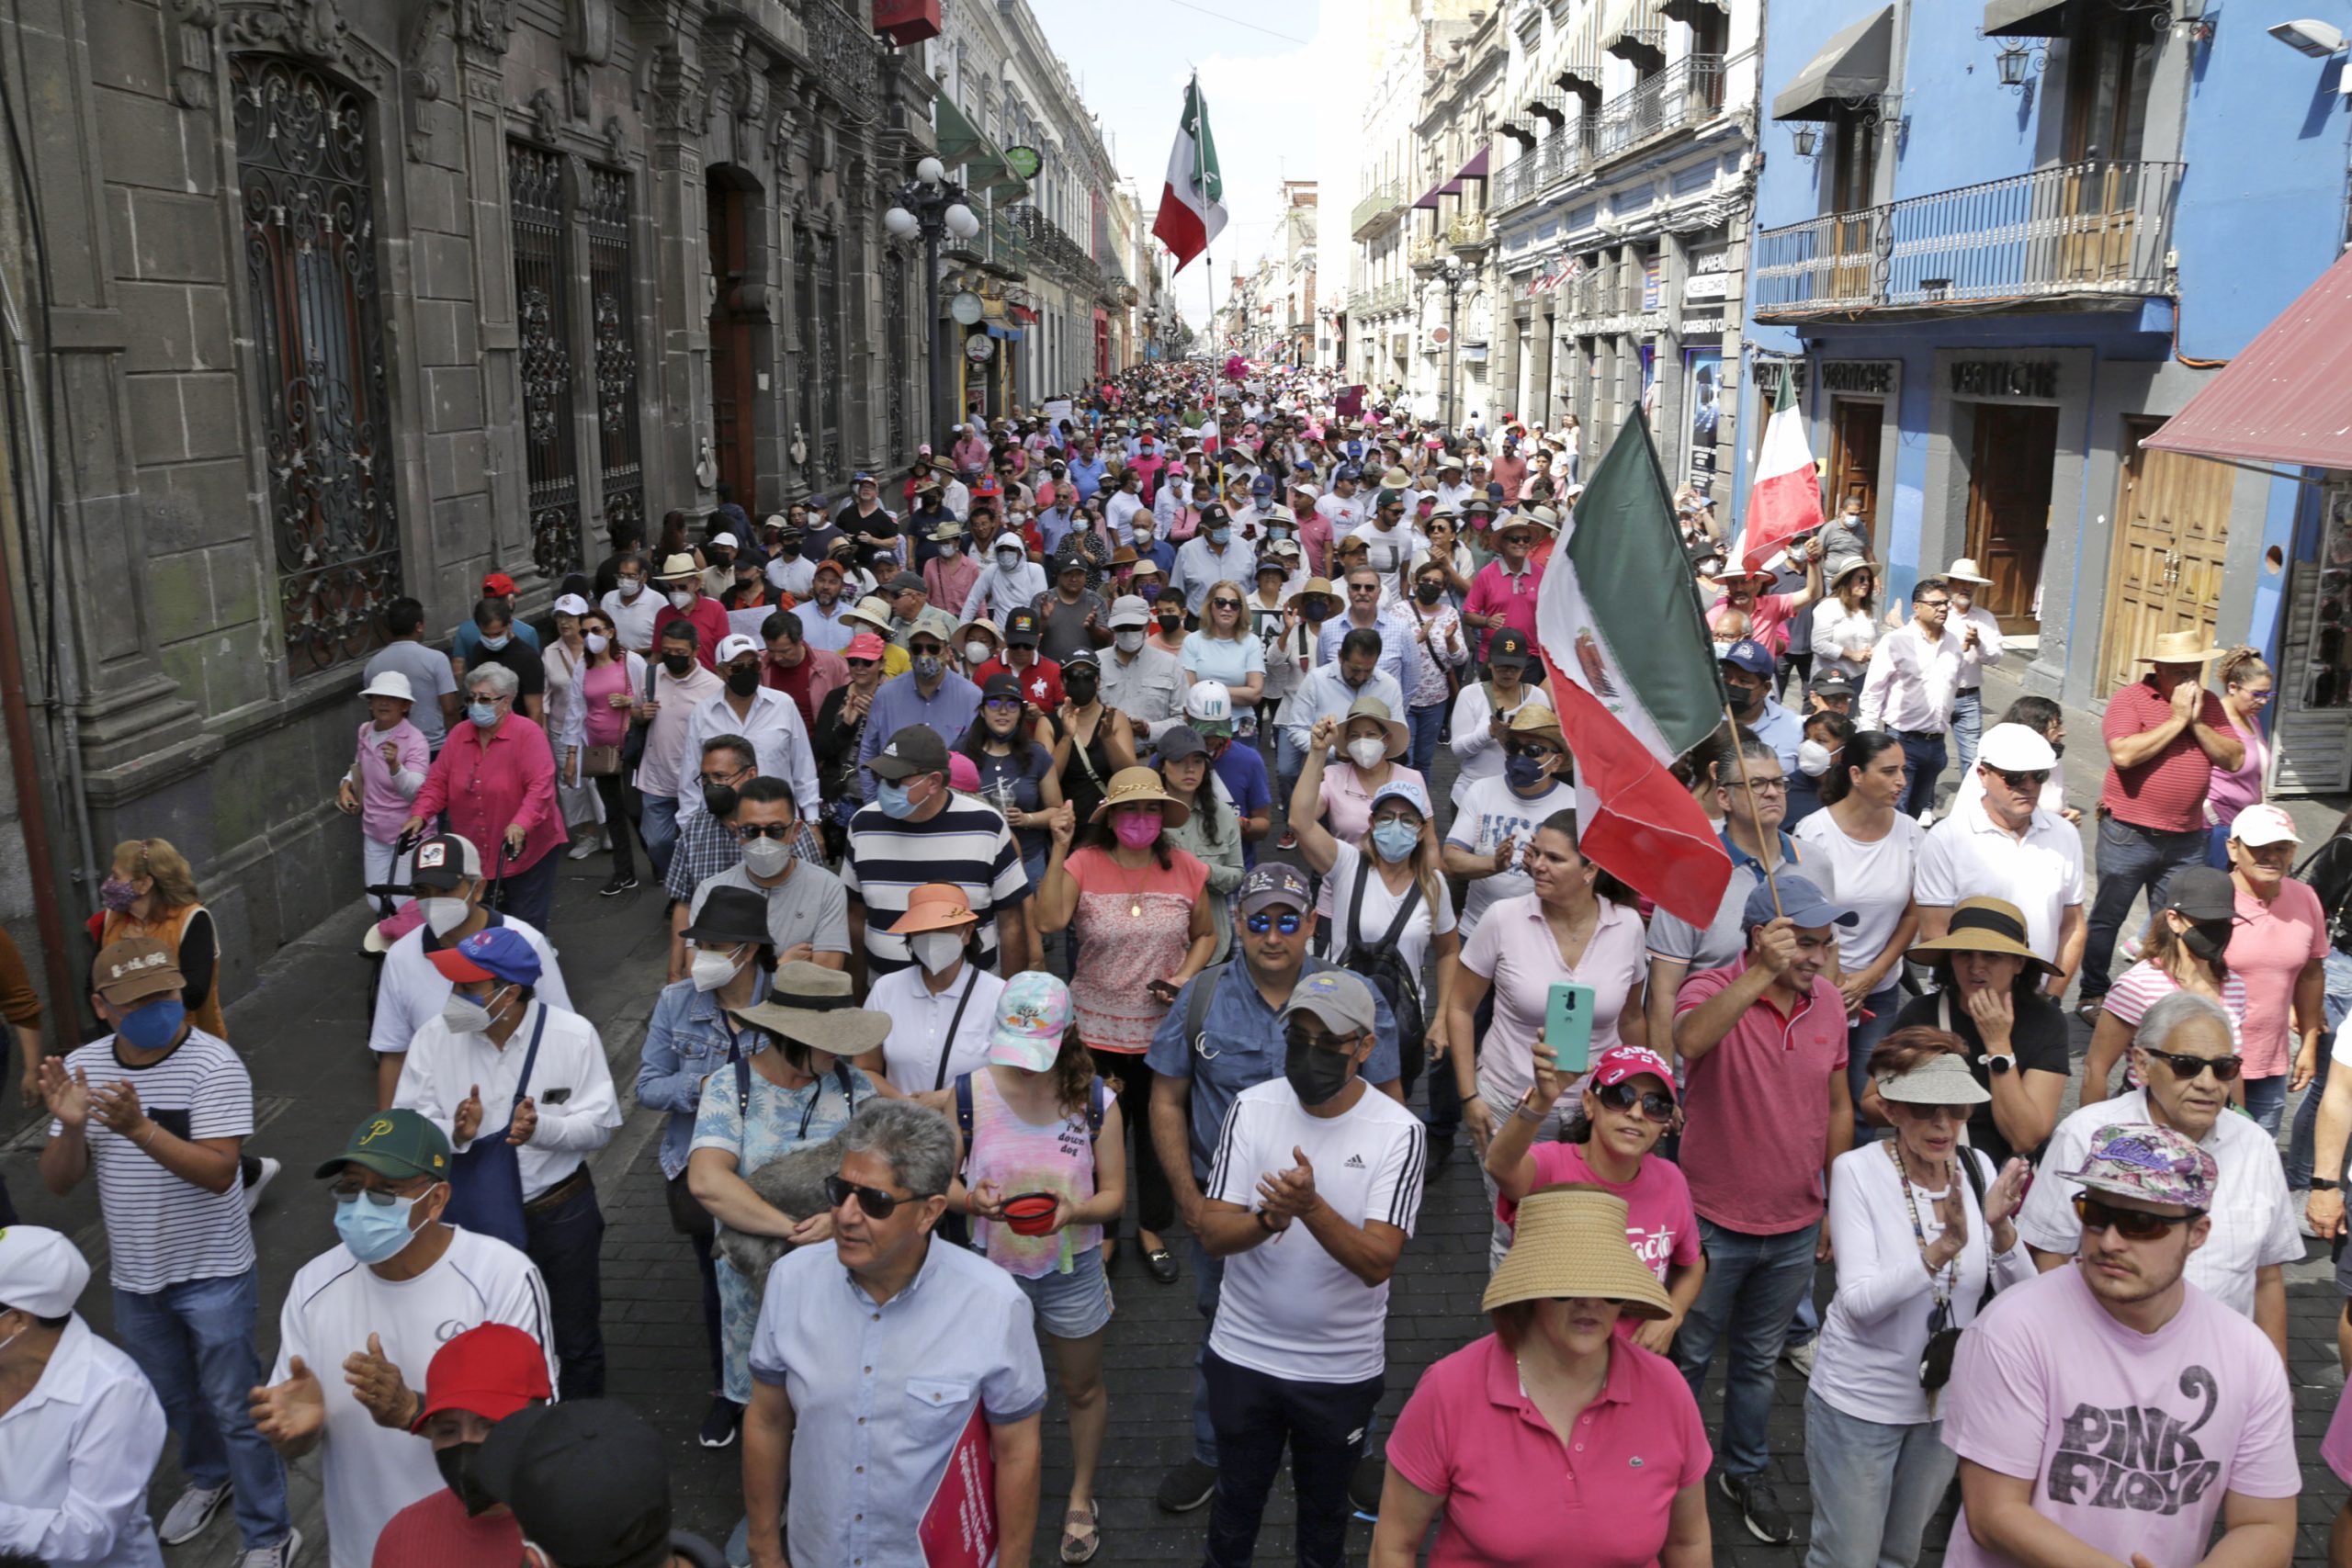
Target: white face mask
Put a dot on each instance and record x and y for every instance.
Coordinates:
(935, 951)
(1009, 560)
(444, 914)
(1813, 758)
(597, 642)
(464, 1015)
(681, 598)
(631, 587)
(949, 552)
(1128, 641)
(1367, 751)
(979, 652)
(713, 969)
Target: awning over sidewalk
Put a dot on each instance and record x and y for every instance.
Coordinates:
(1852, 65)
(1476, 169)
(962, 143)
(2288, 398)
(2027, 18)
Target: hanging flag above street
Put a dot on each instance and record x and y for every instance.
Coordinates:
(1191, 207)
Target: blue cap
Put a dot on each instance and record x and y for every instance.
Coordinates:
(1263, 485)
(499, 953)
(1751, 655)
(1801, 902)
(1349, 470)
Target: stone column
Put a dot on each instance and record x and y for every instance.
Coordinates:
(680, 457)
(494, 384)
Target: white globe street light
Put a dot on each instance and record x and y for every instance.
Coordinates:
(961, 222)
(901, 222)
(930, 171)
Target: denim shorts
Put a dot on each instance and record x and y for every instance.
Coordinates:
(1071, 1306)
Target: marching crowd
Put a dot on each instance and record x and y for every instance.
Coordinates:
(1062, 819)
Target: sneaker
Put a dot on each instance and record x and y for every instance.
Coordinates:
(621, 882)
(720, 1424)
(582, 848)
(277, 1556)
(1798, 1358)
(1365, 1483)
(191, 1513)
(1186, 1487)
(263, 1176)
(1759, 1509)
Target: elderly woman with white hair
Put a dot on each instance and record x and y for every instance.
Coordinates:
(495, 779)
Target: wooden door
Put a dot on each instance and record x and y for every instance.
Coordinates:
(2008, 507)
(1853, 185)
(2172, 527)
(730, 348)
(1855, 425)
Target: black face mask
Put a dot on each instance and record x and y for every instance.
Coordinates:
(2208, 939)
(718, 799)
(1427, 592)
(1170, 623)
(455, 1464)
(1315, 1074)
(678, 664)
(744, 683)
(1082, 688)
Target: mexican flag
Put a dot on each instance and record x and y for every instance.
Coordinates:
(1785, 501)
(1633, 679)
(1192, 205)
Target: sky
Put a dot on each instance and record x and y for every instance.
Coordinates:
(1262, 90)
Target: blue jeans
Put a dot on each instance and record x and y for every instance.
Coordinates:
(2266, 1102)
(2217, 846)
(1290, 761)
(1875, 1486)
(1753, 1283)
(2300, 1141)
(2132, 859)
(1923, 759)
(1968, 725)
(1424, 723)
(1208, 1277)
(195, 1342)
(658, 826)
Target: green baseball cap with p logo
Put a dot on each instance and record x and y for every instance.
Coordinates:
(395, 1143)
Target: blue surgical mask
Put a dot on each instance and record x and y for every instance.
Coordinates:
(153, 1027)
(1524, 772)
(1395, 840)
(494, 643)
(1219, 536)
(892, 797)
(483, 713)
(1278, 532)
(373, 1231)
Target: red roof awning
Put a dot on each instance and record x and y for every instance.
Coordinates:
(2288, 398)
(1024, 313)
(1476, 169)
(1429, 196)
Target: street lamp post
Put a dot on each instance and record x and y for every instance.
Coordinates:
(1454, 274)
(932, 205)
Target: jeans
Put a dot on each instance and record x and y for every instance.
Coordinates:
(1923, 759)
(2217, 846)
(564, 1241)
(1424, 723)
(2266, 1102)
(2300, 1141)
(1875, 1486)
(657, 824)
(529, 895)
(1324, 1424)
(195, 1342)
(1290, 761)
(2132, 859)
(1208, 1279)
(1864, 1038)
(614, 790)
(1968, 723)
(1752, 1290)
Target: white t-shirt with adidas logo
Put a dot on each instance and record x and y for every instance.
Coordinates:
(1288, 1308)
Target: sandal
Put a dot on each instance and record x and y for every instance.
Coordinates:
(1083, 1533)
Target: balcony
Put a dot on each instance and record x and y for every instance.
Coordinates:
(1373, 208)
(2071, 231)
(1468, 236)
(1689, 92)
(1425, 255)
(1564, 152)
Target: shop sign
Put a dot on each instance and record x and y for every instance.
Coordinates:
(1707, 286)
(1866, 377)
(2004, 378)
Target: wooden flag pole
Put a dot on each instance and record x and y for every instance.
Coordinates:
(1739, 754)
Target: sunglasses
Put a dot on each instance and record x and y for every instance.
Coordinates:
(1526, 748)
(860, 663)
(1224, 604)
(2185, 1068)
(1001, 703)
(2131, 1225)
(1263, 922)
(1656, 1104)
(349, 1192)
(2031, 778)
(1927, 1113)
(874, 1203)
(783, 833)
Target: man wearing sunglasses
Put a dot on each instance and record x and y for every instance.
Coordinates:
(1908, 690)
(2001, 844)
(2186, 1057)
(2109, 1412)
(714, 839)
(373, 1309)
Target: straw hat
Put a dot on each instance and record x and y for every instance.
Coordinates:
(1321, 585)
(1571, 1242)
(873, 611)
(1985, 925)
(2187, 646)
(1964, 571)
(1399, 737)
(814, 1005)
(1131, 786)
(935, 907)
(676, 568)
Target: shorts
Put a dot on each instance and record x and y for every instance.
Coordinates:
(1071, 1306)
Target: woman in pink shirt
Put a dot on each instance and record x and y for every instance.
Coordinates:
(2245, 683)
(2278, 948)
(385, 775)
(495, 777)
(611, 682)
(1554, 1439)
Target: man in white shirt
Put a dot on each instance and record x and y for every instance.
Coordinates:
(1211, 555)
(632, 609)
(81, 1434)
(1144, 683)
(763, 715)
(788, 570)
(1298, 1350)
(1980, 648)
(524, 1093)
(1914, 672)
(2002, 845)
(1009, 581)
(1390, 542)
(369, 1313)
(1118, 513)
(1343, 509)
(1453, 491)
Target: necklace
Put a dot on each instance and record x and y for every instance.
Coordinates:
(1135, 893)
(1943, 1278)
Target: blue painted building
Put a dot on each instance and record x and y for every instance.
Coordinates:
(1997, 243)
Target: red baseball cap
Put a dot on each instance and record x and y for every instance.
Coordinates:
(497, 585)
(1622, 1062)
(492, 1371)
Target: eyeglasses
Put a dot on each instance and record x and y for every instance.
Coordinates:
(2185, 1068)
(1526, 748)
(1656, 1104)
(1935, 604)
(783, 833)
(1774, 786)
(485, 696)
(1224, 604)
(351, 1192)
(926, 650)
(726, 778)
(1008, 703)
(859, 663)
(876, 1203)
(1264, 921)
(2029, 779)
(2131, 1225)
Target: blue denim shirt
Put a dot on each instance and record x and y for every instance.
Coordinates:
(687, 1039)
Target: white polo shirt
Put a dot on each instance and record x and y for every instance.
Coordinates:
(1967, 855)
(920, 1019)
(411, 992)
(571, 1087)
(75, 1457)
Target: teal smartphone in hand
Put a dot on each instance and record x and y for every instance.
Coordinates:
(1567, 1026)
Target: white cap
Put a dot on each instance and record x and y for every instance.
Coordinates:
(1210, 702)
(41, 1272)
(571, 604)
(2264, 824)
(727, 539)
(1128, 611)
(733, 646)
(390, 683)
(2015, 748)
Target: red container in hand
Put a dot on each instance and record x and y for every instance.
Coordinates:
(1031, 1214)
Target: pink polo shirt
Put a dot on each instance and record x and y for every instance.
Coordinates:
(486, 787)
(1515, 1495)
(1659, 1221)
(2268, 951)
(1768, 618)
(383, 807)
(1755, 1109)
(1495, 592)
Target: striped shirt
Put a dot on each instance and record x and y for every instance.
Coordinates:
(967, 843)
(161, 1230)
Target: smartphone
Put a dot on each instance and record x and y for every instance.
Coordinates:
(1567, 1026)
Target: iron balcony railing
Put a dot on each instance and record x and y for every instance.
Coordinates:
(1686, 93)
(2087, 227)
(1563, 152)
(1374, 206)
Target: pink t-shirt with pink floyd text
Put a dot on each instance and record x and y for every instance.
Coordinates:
(2131, 1441)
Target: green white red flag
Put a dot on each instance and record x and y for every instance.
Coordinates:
(1191, 203)
(1785, 500)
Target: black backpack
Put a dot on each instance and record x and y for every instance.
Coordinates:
(1384, 968)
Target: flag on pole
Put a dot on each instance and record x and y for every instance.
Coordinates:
(1192, 205)
(1633, 679)
(1786, 498)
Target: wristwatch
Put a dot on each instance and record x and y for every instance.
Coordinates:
(1999, 1064)
(2324, 1184)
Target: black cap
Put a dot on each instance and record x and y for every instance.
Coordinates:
(905, 583)
(588, 1479)
(1021, 628)
(1213, 513)
(1178, 741)
(1509, 647)
(1004, 683)
(730, 915)
(917, 748)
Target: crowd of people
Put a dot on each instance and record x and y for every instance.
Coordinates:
(1167, 797)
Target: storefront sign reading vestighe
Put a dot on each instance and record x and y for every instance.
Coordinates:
(1864, 375)
(2003, 379)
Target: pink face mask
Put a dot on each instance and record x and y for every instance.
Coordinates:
(1136, 829)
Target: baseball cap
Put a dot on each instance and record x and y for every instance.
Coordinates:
(1407, 790)
(1004, 683)
(41, 1271)
(573, 604)
(443, 860)
(1341, 1002)
(2015, 749)
(2199, 893)
(865, 645)
(2265, 824)
(1509, 647)
(497, 585)
(1021, 628)
(495, 953)
(1619, 1063)
(1274, 882)
(2152, 1164)
(492, 1369)
(1128, 610)
(915, 750)
(1085, 657)
(905, 583)
(726, 541)
(1800, 901)
(1753, 656)
(397, 1143)
(1839, 686)
(133, 969)
(1033, 1014)
(733, 646)
(588, 1479)
(1209, 701)
(1178, 741)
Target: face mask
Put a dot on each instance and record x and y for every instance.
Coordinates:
(484, 714)
(597, 642)
(375, 1232)
(1170, 623)
(936, 950)
(1128, 641)
(949, 552)
(977, 652)
(455, 1464)
(14, 1337)
(1525, 772)
(765, 857)
(1008, 561)
(1279, 532)
(744, 683)
(1395, 840)
(718, 799)
(1082, 688)
(1427, 592)
(894, 799)
(631, 588)
(927, 666)
(677, 664)
(463, 1015)
(1315, 1074)
(1813, 758)
(1219, 536)
(2208, 939)
(1367, 751)
(681, 598)
(1723, 655)
(711, 970)
(153, 1027)
(118, 895)
(492, 644)
(1136, 829)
